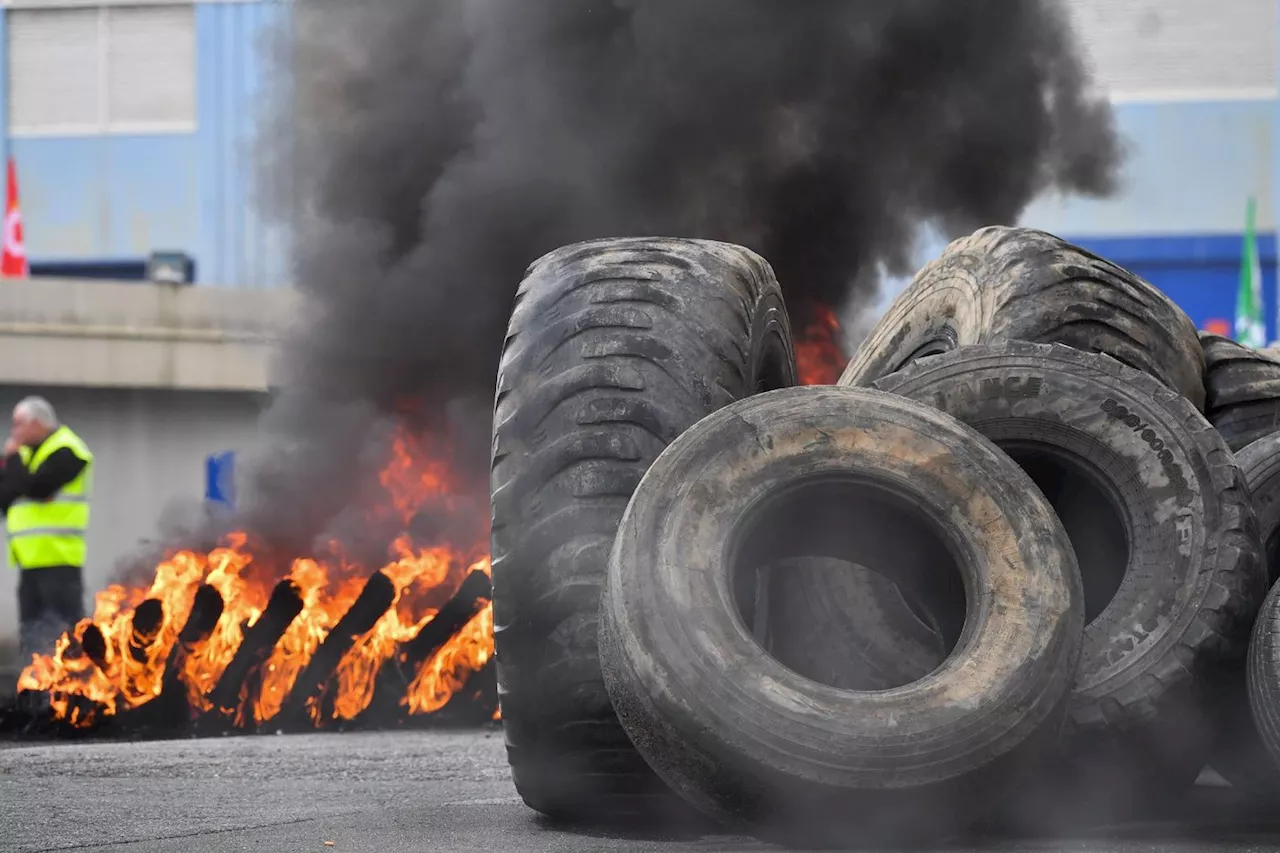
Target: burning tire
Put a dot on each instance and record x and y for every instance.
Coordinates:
(615, 347)
(1243, 391)
(855, 474)
(1166, 538)
(1003, 284)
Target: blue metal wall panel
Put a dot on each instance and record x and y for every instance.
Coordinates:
(107, 196)
(117, 196)
(235, 246)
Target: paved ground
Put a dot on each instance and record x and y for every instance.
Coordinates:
(382, 793)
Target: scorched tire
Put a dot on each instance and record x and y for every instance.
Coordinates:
(614, 348)
(1164, 531)
(1243, 391)
(1002, 284)
(860, 475)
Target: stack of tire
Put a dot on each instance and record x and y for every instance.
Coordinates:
(1003, 578)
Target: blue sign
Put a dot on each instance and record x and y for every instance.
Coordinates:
(220, 478)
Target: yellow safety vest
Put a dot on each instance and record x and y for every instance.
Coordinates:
(45, 533)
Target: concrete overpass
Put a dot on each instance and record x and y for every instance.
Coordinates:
(154, 376)
(95, 334)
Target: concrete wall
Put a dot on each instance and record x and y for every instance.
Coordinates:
(139, 335)
(123, 196)
(149, 447)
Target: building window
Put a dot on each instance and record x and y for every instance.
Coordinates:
(102, 69)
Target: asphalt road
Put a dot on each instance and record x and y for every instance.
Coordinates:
(382, 793)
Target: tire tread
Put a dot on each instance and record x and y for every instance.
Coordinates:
(614, 348)
(1010, 283)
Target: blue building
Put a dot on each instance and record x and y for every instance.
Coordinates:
(132, 125)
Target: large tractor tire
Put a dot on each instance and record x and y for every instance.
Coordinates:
(876, 480)
(1002, 284)
(1160, 518)
(615, 348)
(1243, 391)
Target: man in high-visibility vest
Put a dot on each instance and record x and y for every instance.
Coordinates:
(44, 492)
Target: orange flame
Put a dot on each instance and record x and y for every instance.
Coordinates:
(81, 690)
(412, 476)
(820, 355)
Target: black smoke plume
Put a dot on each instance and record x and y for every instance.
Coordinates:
(428, 150)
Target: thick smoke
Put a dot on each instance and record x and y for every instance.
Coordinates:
(431, 149)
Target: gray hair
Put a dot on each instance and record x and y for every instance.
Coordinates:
(37, 409)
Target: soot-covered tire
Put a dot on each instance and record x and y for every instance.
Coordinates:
(1160, 519)
(1264, 679)
(1242, 388)
(1260, 462)
(1001, 284)
(862, 476)
(614, 348)
(1239, 755)
(845, 625)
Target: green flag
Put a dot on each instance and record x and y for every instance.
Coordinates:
(1251, 329)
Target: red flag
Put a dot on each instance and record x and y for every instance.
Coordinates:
(13, 263)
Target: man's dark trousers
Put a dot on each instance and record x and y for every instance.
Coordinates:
(50, 602)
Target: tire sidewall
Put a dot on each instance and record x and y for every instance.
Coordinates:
(741, 736)
(772, 361)
(1133, 434)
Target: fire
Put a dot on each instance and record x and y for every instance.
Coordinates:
(412, 575)
(412, 476)
(129, 653)
(222, 572)
(322, 607)
(820, 355)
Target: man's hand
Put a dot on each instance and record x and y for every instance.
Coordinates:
(10, 446)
